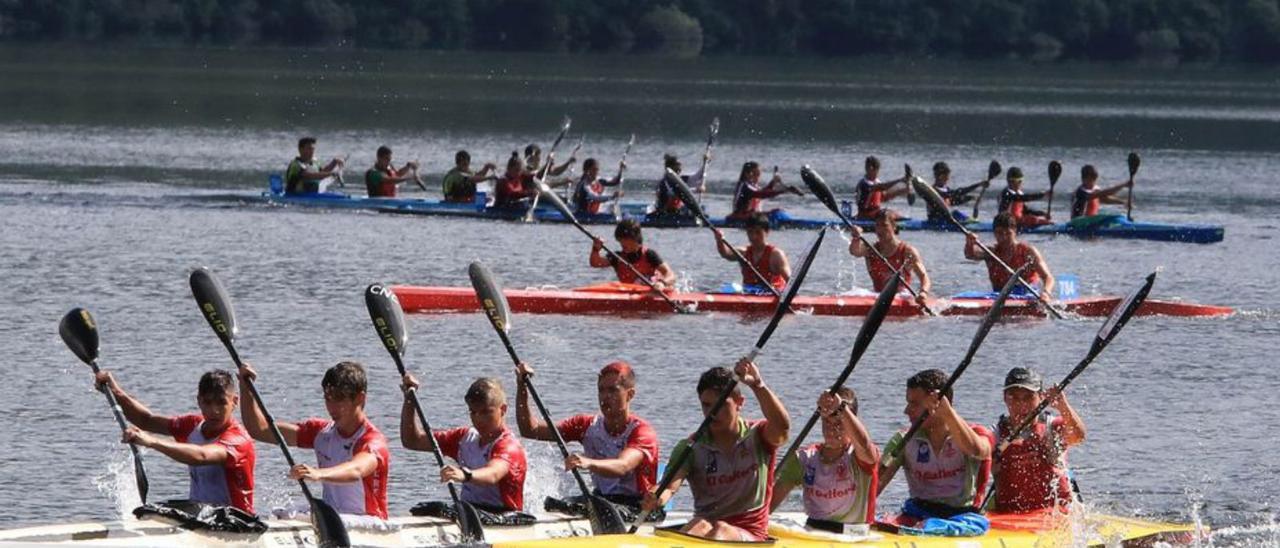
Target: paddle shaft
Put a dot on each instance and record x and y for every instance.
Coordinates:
(712, 131)
(1134, 162)
(848, 223)
(412, 397)
(617, 201)
(546, 169)
(736, 254)
(140, 473)
(1039, 295)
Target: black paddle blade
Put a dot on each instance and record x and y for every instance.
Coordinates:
(469, 526)
(993, 170)
(819, 188)
(1055, 171)
(388, 318)
(80, 333)
(214, 304)
(930, 195)
(490, 295)
(685, 194)
(1121, 314)
(792, 288)
(605, 518)
(330, 531)
(1135, 161)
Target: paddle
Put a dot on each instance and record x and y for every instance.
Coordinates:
(1116, 321)
(80, 333)
(560, 206)
(388, 322)
(911, 192)
(215, 305)
(712, 131)
(418, 180)
(617, 200)
(605, 519)
(1055, 171)
(568, 189)
(1135, 162)
(870, 326)
(546, 168)
(779, 311)
(989, 320)
(689, 201)
(338, 176)
(993, 171)
(930, 195)
(820, 189)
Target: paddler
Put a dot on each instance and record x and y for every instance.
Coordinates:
(748, 193)
(491, 462)
(219, 454)
(870, 192)
(382, 180)
(644, 259)
(902, 256)
(302, 176)
(1013, 200)
(533, 162)
(668, 202)
(1088, 198)
(731, 469)
(950, 196)
(459, 184)
(947, 460)
(839, 474)
(353, 461)
(769, 260)
(515, 186)
(619, 449)
(588, 192)
(1030, 472)
(1014, 253)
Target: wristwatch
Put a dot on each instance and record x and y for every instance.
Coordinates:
(466, 475)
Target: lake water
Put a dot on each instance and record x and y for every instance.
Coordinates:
(120, 172)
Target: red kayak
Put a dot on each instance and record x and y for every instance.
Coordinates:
(615, 298)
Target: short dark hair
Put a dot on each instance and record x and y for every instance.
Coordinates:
(1004, 220)
(758, 220)
(461, 156)
(346, 380)
(1088, 172)
(717, 378)
(589, 163)
(629, 228)
(847, 395)
(531, 149)
(670, 161)
(930, 380)
(485, 391)
(871, 162)
(306, 141)
(384, 150)
(216, 381)
(941, 167)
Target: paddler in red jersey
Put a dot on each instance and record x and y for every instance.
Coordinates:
(619, 449)
(382, 179)
(731, 468)
(748, 193)
(947, 461)
(1031, 471)
(491, 461)
(1013, 201)
(353, 460)
(870, 193)
(769, 260)
(1088, 198)
(668, 201)
(218, 452)
(1014, 253)
(588, 192)
(902, 256)
(515, 186)
(838, 475)
(644, 259)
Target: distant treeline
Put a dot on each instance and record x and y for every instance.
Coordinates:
(1193, 30)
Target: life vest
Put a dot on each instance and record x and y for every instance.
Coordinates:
(1021, 254)
(1086, 202)
(775, 279)
(1009, 202)
(510, 190)
(294, 183)
(376, 183)
(640, 260)
(1031, 475)
(880, 273)
(868, 200)
(583, 193)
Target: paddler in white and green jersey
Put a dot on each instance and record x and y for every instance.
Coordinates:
(839, 474)
(947, 460)
(730, 470)
(302, 176)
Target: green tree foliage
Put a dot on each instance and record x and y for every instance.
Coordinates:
(1246, 30)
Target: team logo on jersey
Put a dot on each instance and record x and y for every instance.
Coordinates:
(922, 453)
(712, 466)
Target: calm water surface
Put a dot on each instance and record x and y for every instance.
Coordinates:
(120, 171)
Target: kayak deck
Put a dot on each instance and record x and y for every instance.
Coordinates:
(614, 298)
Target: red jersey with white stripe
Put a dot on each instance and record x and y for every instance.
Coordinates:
(598, 443)
(463, 445)
(365, 497)
(228, 483)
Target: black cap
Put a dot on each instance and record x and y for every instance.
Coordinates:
(1021, 377)
(1014, 173)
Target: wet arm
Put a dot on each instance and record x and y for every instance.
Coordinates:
(531, 426)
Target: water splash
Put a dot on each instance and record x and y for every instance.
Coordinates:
(118, 483)
(545, 476)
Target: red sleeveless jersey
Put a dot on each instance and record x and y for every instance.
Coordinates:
(762, 264)
(1031, 474)
(645, 260)
(1022, 254)
(880, 273)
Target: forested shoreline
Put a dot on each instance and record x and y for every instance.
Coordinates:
(1104, 30)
